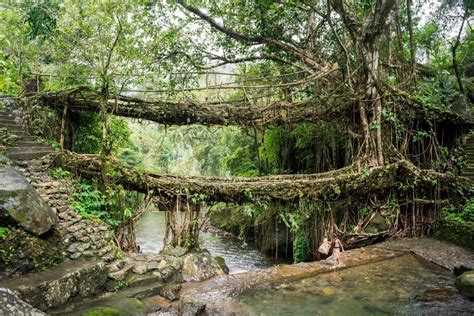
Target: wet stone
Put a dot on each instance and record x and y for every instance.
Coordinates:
(153, 265)
(140, 268)
(11, 304)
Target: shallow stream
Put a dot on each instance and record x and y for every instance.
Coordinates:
(404, 285)
(238, 257)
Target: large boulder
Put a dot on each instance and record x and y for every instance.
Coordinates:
(200, 266)
(465, 283)
(12, 305)
(21, 203)
(377, 224)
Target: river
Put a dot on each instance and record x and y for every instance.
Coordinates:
(238, 257)
(406, 285)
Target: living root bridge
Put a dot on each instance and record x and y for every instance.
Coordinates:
(186, 112)
(330, 186)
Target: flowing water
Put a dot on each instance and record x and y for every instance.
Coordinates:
(405, 285)
(238, 257)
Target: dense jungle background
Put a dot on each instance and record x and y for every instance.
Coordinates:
(328, 85)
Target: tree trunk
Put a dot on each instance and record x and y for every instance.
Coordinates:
(63, 127)
(412, 42)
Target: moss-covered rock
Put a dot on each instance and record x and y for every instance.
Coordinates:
(123, 307)
(22, 205)
(456, 232)
(200, 267)
(221, 263)
(377, 224)
(465, 283)
(22, 252)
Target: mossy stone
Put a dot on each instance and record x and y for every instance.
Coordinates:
(122, 307)
(465, 283)
(221, 263)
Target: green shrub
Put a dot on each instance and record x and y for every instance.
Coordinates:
(59, 173)
(301, 250)
(88, 201)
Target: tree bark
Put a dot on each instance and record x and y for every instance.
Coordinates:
(412, 42)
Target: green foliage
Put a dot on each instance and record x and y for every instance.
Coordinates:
(457, 232)
(4, 231)
(59, 173)
(88, 201)
(301, 247)
(119, 284)
(461, 214)
(89, 134)
(114, 207)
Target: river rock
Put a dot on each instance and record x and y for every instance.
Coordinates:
(191, 308)
(153, 265)
(200, 267)
(170, 291)
(174, 251)
(3, 160)
(328, 291)
(21, 203)
(431, 295)
(123, 306)
(12, 305)
(140, 267)
(221, 263)
(465, 283)
(122, 273)
(171, 271)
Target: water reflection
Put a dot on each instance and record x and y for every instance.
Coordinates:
(239, 258)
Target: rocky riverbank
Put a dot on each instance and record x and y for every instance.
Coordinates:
(77, 287)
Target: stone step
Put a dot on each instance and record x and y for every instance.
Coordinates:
(36, 143)
(143, 280)
(123, 300)
(12, 127)
(28, 138)
(6, 117)
(25, 149)
(6, 121)
(9, 123)
(144, 291)
(18, 132)
(29, 155)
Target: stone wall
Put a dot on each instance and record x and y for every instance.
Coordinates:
(81, 238)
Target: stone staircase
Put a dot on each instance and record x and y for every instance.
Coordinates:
(82, 238)
(469, 150)
(24, 146)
